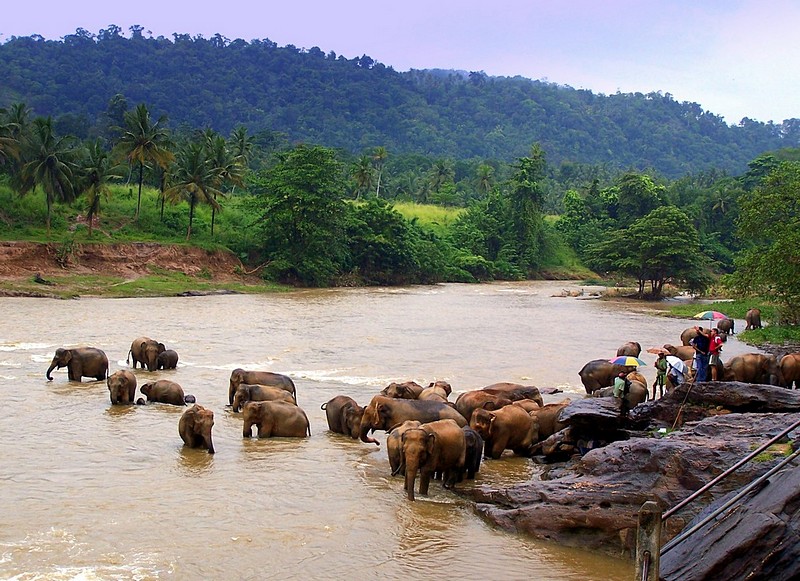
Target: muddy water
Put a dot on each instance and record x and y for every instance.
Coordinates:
(88, 491)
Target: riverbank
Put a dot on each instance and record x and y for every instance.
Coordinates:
(134, 269)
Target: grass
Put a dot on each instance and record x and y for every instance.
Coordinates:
(435, 218)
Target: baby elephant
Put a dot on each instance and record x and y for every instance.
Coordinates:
(166, 391)
(122, 387)
(275, 419)
(195, 428)
(246, 392)
(344, 415)
(167, 359)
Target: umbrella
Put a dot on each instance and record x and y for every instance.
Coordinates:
(677, 364)
(711, 316)
(627, 361)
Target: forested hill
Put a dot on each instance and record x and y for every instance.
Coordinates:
(356, 104)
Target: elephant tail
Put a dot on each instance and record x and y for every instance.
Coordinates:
(323, 406)
(128, 357)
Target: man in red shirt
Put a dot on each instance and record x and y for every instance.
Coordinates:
(714, 349)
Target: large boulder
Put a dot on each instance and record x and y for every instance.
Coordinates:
(595, 506)
(757, 538)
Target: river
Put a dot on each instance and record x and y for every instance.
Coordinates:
(91, 491)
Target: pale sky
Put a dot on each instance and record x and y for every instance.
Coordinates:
(736, 58)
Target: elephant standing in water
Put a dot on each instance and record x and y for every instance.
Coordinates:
(239, 376)
(246, 392)
(80, 362)
(122, 387)
(384, 413)
(344, 415)
(167, 359)
(274, 419)
(165, 391)
(145, 352)
(438, 446)
(195, 426)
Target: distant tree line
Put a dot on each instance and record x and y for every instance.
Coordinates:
(290, 95)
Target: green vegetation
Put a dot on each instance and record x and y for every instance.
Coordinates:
(292, 95)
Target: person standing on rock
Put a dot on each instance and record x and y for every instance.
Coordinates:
(622, 386)
(701, 343)
(661, 374)
(714, 349)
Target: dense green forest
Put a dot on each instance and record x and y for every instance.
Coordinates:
(290, 95)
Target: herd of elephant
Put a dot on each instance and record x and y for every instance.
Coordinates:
(428, 435)
(598, 375)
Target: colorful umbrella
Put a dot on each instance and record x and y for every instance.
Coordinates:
(711, 316)
(627, 361)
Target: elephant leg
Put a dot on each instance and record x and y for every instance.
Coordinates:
(424, 481)
(497, 448)
(248, 430)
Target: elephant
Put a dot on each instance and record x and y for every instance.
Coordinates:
(599, 373)
(448, 389)
(394, 448)
(246, 392)
(275, 419)
(405, 390)
(438, 446)
(631, 348)
(510, 427)
(687, 335)
(384, 413)
(527, 404)
(165, 391)
(474, 452)
(145, 352)
(167, 359)
(122, 387)
(636, 394)
(514, 391)
(344, 415)
(684, 352)
(726, 326)
(756, 368)
(259, 378)
(195, 426)
(636, 376)
(753, 319)
(790, 368)
(80, 362)
(433, 393)
(546, 419)
(469, 401)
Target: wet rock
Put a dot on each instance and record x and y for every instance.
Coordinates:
(595, 505)
(758, 538)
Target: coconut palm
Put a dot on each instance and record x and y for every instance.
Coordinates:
(242, 145)
(379, 157)
(95, 170)
(144, 142)
(194, 180)
(362, 174)
(9, 145)
(46, 163)
(226, 166)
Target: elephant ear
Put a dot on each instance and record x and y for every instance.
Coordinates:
(68, 356)
(430, 443)
(382, 411)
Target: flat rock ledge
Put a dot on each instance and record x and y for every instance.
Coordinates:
(592, 501)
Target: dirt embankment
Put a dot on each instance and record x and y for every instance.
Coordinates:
(23, 260)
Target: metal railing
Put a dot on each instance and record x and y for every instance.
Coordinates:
(648, 538)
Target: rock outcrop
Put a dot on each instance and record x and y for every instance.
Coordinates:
(593, 501)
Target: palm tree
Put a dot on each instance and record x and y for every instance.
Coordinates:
(96, 169)
(226, 166)
(379, 157)
(16, 126)
(194, 180)
(485, 178)
(47, 163)
(362, 174)
(9, 144)
(144, 142)
(242, 145)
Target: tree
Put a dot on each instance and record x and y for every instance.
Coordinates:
(144, 142)
(302, 215)
(95, 170)
(227, 166)
(527, 196)
(637, 196)
(379, 158)
(362, 175)
(659, 248)
(9, 145)
(194, 181)
(47, 163)
(769, 224)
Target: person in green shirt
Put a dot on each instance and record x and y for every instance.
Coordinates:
(661, 374)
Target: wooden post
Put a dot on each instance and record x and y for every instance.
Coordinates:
(648, 542)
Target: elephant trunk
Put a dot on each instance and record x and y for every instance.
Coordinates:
(53, 365)
(365, 438)
(411, 476)
(209, 443)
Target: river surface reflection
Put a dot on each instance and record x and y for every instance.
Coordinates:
(90, 491)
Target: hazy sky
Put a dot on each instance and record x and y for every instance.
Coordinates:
(737, 58)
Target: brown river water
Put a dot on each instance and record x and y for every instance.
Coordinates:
(91, 491)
